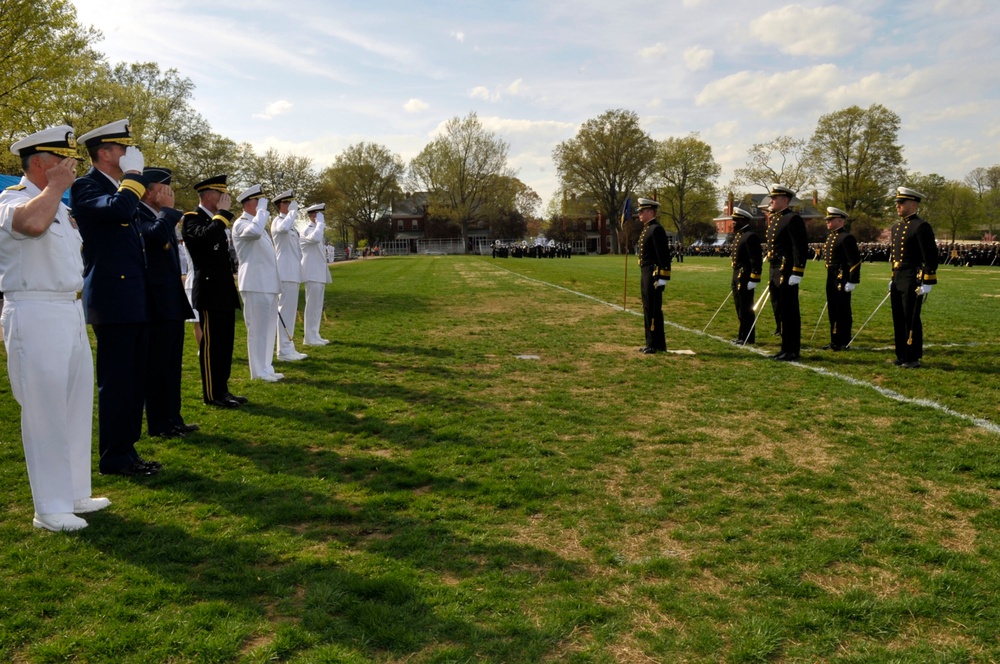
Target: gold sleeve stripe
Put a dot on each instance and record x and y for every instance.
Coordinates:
(799, 270)
(222, 219)
(134, 186)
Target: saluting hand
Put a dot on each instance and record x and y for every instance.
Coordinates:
(224, 202)
(62, 175)
(165, 197)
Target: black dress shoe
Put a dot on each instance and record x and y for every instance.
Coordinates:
(788, 357)
(830, 347)
(649, 351)
(643, 349)
(173, 433)
(780, 355)
(915, 364)
(135, 470)
(187, 428)
(225, 402)
(150, 463)
(239, 400)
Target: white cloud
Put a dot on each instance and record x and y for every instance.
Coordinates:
(480, 92)
(516, 88)
(655, 102)
(817, 31)
(458, 36)
(960, 7)
(657, 50)
(511, 126)
(274, 109)
(769, 94)
(697, 58)
(415, 106)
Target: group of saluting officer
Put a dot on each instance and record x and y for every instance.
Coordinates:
(114, 263)
(913, 255)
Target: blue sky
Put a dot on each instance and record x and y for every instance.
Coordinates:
(313, 77)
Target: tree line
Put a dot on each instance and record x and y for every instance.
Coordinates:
(52, 73)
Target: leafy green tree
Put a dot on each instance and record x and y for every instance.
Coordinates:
(359, 188)
(858, 158)
(784, 160)
(949, 205)
(610, 157)
(276, 172)
(514, 204)
(42, 49)
(460, 171)
(685, 175)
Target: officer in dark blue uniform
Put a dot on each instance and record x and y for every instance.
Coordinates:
(787, 252)
(843, 274)
(914, 259)
(747, 261)
(654, 266)
(214, 294)
(168, 306)
(115, 300)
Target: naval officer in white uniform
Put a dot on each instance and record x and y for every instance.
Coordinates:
(315, 274)
(289, 255)
(49, 360)
(258, 283)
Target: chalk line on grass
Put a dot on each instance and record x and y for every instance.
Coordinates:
(889, 394)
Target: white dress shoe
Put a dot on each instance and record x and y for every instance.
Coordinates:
(318, 342)
(292, 357)
(84, 505)
(57, 522)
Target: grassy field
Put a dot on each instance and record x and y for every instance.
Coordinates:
(415, 492)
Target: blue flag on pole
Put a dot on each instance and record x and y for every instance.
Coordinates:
(626, 211)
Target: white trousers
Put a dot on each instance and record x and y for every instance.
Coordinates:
(51, 371)
(288, 308)
(314, 311)
(260, 313)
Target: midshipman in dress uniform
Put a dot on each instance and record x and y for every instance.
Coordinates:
(654, 266)
(914, 259)
(843, 274)
(747, 262)
(787, 251)
(49, 362)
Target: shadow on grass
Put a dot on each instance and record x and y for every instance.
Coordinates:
(402, 598)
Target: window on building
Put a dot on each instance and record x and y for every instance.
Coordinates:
(400, 222)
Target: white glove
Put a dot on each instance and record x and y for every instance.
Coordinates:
(261, 205)
(849, 286)
(751, 285)
(132, 161)
(924, 289)
(293, 207)
(794, 280)
(660, 283)
(319, 218)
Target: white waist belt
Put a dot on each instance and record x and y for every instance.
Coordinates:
(42, 296)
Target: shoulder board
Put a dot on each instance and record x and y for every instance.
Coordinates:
(193, 213)
(15, 187)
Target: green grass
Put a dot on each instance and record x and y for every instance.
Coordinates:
(416, 493)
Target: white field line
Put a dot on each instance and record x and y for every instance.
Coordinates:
(890, 394)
